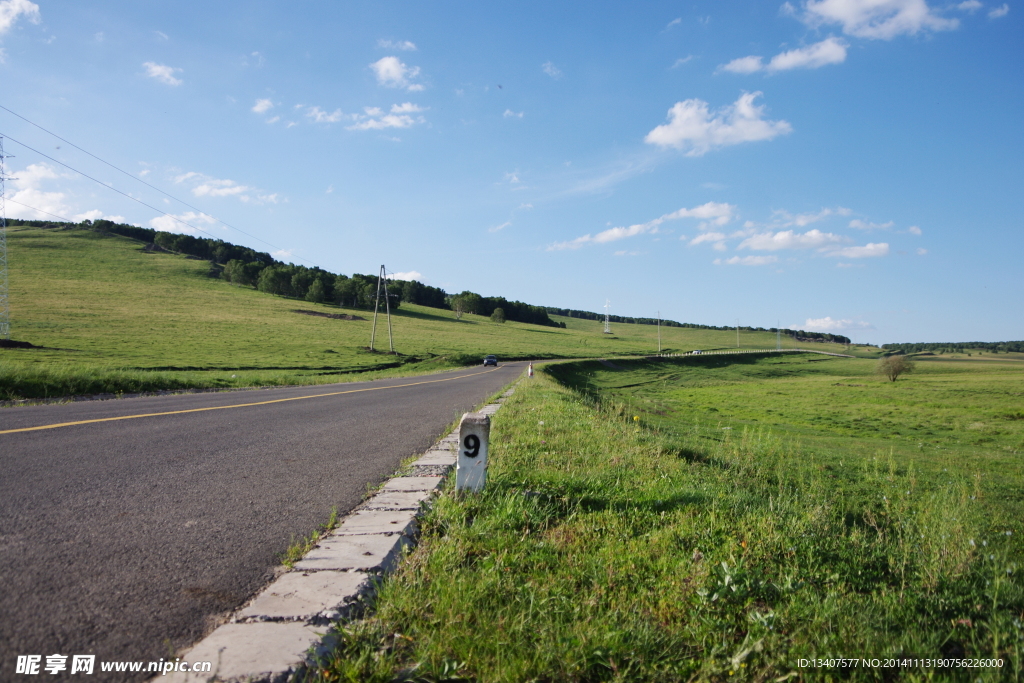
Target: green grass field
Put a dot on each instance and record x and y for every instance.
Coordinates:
(708, 519)
(115, 318)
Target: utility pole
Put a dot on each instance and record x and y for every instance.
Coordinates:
(607, 320)
(382, 279)
(5, 310)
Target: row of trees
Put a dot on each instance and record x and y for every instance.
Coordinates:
(956, 347)
(471, 302)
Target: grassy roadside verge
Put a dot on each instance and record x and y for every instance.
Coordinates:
(604, 550)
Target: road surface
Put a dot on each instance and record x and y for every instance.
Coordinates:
(130, 538)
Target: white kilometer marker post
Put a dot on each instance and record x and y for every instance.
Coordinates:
(474, 435)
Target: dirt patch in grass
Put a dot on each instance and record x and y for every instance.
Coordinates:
(335, 316)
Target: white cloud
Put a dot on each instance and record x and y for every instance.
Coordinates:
(374, 118)
(713, 213)
(868, 225)
(743, 65)
(571, 244)
(176, 223)
(206, 186)
(392, 73)
(320, 116)
(262, 106)
(497, 228)
(693, 127)
(788, 239)
(914, 230)
(682, 60)
(969, 5)
(746, 261)
(867, 251)
(411, 275)
(677, 20)
(999, 11)
(707, 237)
(11, 10)
(29, 200)
(827, 324)
(162, 73)
(512, 114)
(921, 251)
(162, 36)
(397, 45)
(623, 252)
(878, 19)
(273, 119)
(829, 51)
(551, 70)
(96, 214)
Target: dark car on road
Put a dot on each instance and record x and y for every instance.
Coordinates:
(491, 360)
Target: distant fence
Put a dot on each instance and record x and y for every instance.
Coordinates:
(733, 352)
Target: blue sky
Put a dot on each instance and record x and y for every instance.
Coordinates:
(851, 166)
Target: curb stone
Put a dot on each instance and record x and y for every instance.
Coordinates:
(291, 623)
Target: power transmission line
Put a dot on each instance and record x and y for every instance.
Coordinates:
(140, 180)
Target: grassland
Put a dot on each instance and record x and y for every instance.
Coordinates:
(706, 519)
(112, 317)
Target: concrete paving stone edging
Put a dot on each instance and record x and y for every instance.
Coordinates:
(291, 623)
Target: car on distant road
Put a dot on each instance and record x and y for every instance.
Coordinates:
(696, 352)
(491, 360)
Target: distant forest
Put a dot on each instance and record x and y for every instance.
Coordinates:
(258, 269)
(956, 347)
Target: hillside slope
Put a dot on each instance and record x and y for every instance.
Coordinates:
(112, 316)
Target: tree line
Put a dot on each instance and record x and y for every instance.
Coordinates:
(956, 347)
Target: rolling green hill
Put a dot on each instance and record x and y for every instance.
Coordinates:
(111, 316)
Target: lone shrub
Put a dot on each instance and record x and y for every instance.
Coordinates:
(498, 316)
(894, 366)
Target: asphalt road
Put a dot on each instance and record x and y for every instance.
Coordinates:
(129, 538)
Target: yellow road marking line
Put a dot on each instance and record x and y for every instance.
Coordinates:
(237, 405)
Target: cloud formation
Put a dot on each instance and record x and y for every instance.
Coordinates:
(829, 51)
(405, 45)
(869, 250)
(695, 128)
(411, 275)
(262, 106)
(12, 10)
(998, 12)
(712, 213)
(176, 222)
(162, 73)
(788, 239)
(551, 70)
(868, 225)
(391, 72)
(746, 261)
(207, 186)
(874, 19)
(827, 324)
(374, 118)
